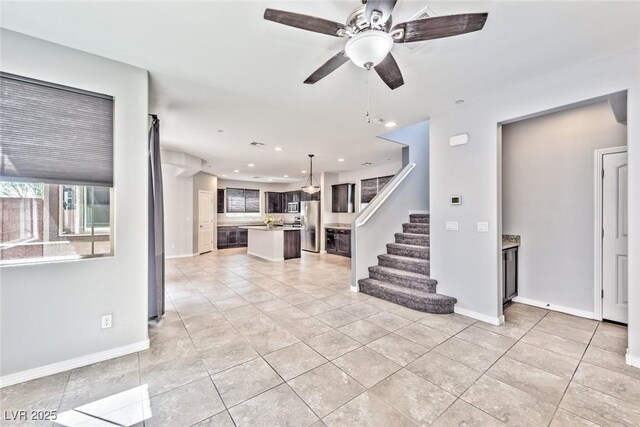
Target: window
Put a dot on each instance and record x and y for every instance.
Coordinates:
(369, 188)
(56, 159)
(243, 202)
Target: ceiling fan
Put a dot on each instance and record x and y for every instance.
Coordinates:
(371, 35)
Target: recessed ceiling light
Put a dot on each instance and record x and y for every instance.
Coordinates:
(460, 101)
(224, 176)
(285, 176)
(341, 160)
(278, 148)
(390, 124)
(303, 171)
(236, 171)
(270, 179)
(251, 165)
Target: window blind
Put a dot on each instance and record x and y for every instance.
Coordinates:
(235, 200)
(368, 189)
(54, 134)
(252, 201)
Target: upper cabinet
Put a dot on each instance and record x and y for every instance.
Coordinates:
(221, 200)
(343, 198)
(306, 197)
(274, 202)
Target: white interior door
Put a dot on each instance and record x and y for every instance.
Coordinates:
(205, 221)
(615, 277)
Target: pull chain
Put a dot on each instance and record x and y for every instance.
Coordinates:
(368, 117)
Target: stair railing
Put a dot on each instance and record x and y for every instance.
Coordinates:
(365, 247)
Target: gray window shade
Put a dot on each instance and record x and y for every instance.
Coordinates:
(383, 181)
(235, 200)
(368, 189)
(54, 134)
(252, 201)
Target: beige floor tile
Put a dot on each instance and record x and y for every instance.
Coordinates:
(298, 298)
(366, 366)
(332, 344)
(165, 331)
(167, 350)
(336, 318)
(242, 382)
(185, 405)
(415, 398)
(422, 335)
(508, 404)
(538, 383)
(214, 336)
(366, 410)
(279, 406)
(446, 373)
(306, 328)
(398, 349)
(315, 307)
(361, 309)
(610, 360)
(486, 339)
(338, 300)
(567, 419)
(174, 373)
(269, 339)
(363, 331)
(326, 388)
(564, 331)
(462, 414)
(544, 359)
(388, 321)
(39, 394)
(573, 321)
(294, 360)
(599, 407)
(468, 353)
(610, 337)
(559, 345)
(223, 419)
(205, 321)
(272, 305)
(227, 354)
(443, 324)
(612, 383)
(510, 329)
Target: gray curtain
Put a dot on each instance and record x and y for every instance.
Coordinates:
(156, 224)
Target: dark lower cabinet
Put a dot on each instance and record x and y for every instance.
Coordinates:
(338, 241)
(343, 198)
(509, 274)
(292, 244)
(232, 237)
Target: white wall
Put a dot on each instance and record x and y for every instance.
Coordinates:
(50, 312)
(178, 212)
(548, 198)
(467, 263)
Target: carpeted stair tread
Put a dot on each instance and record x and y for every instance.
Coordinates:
(412, 239)
(415, 265)
(403, 278)
(412, 298)
(403, 249)
(415, 228)
(419, 218)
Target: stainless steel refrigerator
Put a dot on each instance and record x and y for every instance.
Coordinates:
(311, 226)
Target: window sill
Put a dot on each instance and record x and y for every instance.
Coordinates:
(52, 260)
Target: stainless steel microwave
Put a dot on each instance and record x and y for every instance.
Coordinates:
(293, 207)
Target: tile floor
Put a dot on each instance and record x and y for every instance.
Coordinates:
(254, 343)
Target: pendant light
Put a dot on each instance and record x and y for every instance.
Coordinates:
(309, 187)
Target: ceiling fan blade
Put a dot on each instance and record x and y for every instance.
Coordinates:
(305, 22)
(327, 68)
(385, 7)
(439, 26)
(389, 72)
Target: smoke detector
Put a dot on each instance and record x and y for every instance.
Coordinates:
(427, 12)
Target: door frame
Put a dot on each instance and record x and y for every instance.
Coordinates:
(213, 213)
(598, 227)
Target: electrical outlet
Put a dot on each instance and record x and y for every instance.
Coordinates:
(451, 226)
(107, 321)
(483, 227)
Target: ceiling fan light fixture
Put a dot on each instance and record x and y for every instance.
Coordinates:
(368, 48)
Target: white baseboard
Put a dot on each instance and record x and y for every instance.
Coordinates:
(497, 321)
(632, 360)
(554, 307)
(264, 257)
(179, 256)
(66, 365)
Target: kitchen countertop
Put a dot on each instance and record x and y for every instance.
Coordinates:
(274, 228)
(339, 226)
(510, 241)
(240, 224)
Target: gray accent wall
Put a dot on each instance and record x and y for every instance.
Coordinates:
(50, 312)
(548, 198)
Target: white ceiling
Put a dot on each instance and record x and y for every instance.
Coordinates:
(218, 65)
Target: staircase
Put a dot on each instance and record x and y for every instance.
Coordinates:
(402, 274)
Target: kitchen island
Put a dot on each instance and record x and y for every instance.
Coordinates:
(275, 243)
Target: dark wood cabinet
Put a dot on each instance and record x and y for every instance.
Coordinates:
(343, 198)
(232, 237)
(338, 241)
(220, 201)
(306, 197)
(292, 244)
(291, 197)
(274, 202)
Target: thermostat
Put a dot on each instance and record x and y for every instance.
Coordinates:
(456, 200)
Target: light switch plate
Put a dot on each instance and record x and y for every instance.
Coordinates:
(483, 227)
(451, 226)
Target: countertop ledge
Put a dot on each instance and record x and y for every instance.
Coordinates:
(510, 241)
(340, 226)
(265, 228)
